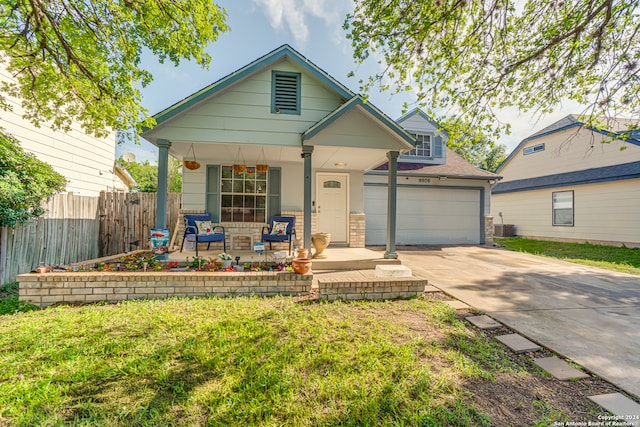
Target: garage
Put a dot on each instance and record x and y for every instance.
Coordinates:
(426, 215)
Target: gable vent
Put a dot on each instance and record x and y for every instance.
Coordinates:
(286, 93)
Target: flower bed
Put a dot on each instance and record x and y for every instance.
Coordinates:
(140, 275)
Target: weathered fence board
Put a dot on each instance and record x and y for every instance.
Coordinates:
(76, 228)
(126, 220)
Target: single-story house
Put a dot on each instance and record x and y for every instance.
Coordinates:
(320, 142)
(572, 182)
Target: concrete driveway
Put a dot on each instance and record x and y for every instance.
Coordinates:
(586, 314)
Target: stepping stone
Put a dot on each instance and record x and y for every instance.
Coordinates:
(559, 368)
(620, 406)
(458, 305)
(384, 270)
(517, 343)
(428, 289)
(483, 322)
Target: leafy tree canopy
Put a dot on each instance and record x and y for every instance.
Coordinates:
(24, 182)
(483, 154)
(466, 58)
(76, 59)
(146, 175)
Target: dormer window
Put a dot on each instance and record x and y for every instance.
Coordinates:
(285, 92)
(423, 146)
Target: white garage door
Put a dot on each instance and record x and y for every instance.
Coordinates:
(428, 216)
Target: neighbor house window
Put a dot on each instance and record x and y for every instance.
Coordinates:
(285, 92)
(243, 197)
(563, 208)
(423, 146)
(533, 149)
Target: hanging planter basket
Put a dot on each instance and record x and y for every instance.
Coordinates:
(261, 166)
(191, 164)
(239, 165)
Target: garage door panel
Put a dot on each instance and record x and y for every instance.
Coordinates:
(425, 216)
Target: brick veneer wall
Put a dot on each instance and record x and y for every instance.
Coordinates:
(237, 232)
(363, 289)
(357, 229)
(488, 230)
(51, 288)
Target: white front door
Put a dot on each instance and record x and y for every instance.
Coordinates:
(332, 205)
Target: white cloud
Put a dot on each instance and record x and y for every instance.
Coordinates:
(292, 15)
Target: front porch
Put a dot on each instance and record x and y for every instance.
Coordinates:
(338, 258)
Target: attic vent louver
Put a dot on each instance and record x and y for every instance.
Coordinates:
(285, 93)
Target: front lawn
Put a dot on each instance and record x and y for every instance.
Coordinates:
(270, 362)
(625, 260)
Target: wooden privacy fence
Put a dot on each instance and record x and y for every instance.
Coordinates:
(66, 233)
(126, 220)
(78, 228)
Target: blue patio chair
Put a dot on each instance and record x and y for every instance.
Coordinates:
(198, 229)
(280, 229)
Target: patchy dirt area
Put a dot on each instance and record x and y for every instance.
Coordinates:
(525, 396)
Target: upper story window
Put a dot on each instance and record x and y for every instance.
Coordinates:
(533, 149)
(423, 146)
(285, 92)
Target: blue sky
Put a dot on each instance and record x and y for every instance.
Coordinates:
(312, 27)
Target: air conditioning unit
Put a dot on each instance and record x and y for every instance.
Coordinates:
(504, 230)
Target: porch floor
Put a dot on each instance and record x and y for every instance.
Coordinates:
(338, 258)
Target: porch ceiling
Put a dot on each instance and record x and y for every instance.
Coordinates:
(324, 157)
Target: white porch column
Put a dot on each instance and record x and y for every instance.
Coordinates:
(306, 155)
(163, 172)
(391, 205)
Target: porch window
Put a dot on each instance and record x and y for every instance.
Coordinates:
(243, 197)
(563, 208)
(423, 146)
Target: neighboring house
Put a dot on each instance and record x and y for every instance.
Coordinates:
(87, 162)
(319, 140)
(442, 198)
(570, 182)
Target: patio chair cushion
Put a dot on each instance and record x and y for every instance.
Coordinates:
(204, 227)
(279, 228)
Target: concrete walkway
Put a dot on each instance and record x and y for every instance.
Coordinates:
(589, 315)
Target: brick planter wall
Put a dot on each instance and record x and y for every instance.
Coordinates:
(51, 288)
(363, 289)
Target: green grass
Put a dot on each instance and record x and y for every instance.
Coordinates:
(244, 361)
(9, 302)
(624, 260)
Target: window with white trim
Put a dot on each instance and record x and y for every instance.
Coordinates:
(423, 146)
(243, 196)
(533, 149)
(562, 208)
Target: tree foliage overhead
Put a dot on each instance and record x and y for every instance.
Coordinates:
(77, 59)
(468, 57)
(25, 182)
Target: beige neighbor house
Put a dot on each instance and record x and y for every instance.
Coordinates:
(318, 139)
(87, 162)
(570, 182)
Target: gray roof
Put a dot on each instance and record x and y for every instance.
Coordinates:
(587, 176)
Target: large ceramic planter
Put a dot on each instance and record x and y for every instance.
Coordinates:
(320, 242)
(301, 265)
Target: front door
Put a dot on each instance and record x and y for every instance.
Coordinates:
(332, 205)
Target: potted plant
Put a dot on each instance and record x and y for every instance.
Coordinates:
(226, 259)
